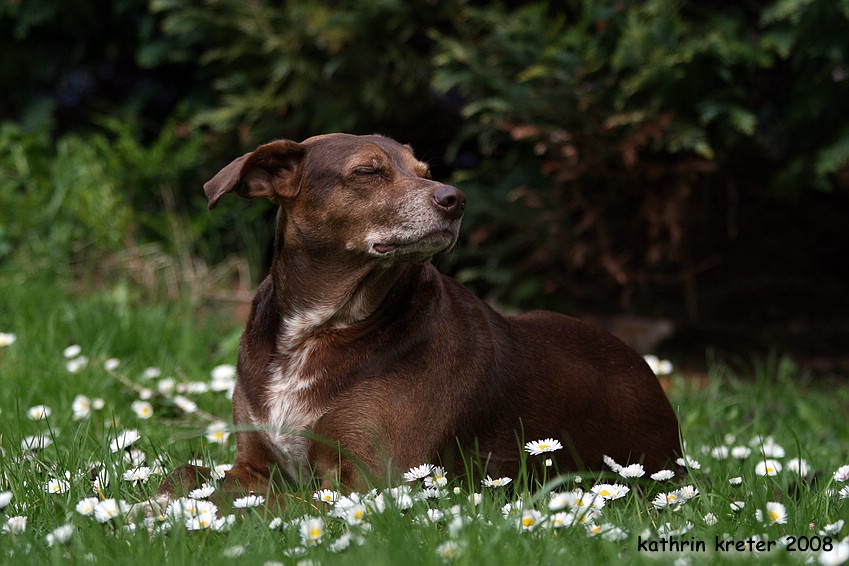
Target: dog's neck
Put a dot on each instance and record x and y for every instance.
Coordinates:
(313, 294)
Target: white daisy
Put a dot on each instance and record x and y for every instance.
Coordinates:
(134, 456)
(233, 551)
(418, 472)
(184, 404)
(798, 466)
(200, 521)
(151, 373)
(340, 544)
(326, 495)
(610, 491)
(658, 366)
(663, 500)
(15, 525)
(710, 519)
(843, 493)
(662, 475)
(223, 371)
(529, 520)
(57, 486)
(248, 501)
(166, 386)
(311, 530)
(512, 509)
(770, 449)
(111, 364)
(496, 482)
(401, 496)
(196, 388)
(768, 468)
(611, 463)
(59, 535)
(838, 554)
(689, 462)
(580, 501)
(223, 380)
(77, 364)
(437, 478)
(666, 530)
(612, 533)
(137, 475)
(740, 452)
(108, 509)
(735, 481)
(202, 492)
(833, 528)
(87, 505)
(39, 412)
(537, 447)
(217, 432)
(5, 499)
(36, 442)
(7, 339)
(842, 474)
(632, 471)
(142, 409)
(737, 505)
(186, 507)
(687, 492)
(561, 519)
(435, 515)
(81, 407)
(449, 550)
(355, 514)
(720, 452)
(218, 471)
(776, 514)
(72, 351)
(124, 440)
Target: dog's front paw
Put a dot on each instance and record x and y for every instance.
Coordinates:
(183, 480)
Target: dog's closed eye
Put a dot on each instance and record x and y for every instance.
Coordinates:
(375, 167)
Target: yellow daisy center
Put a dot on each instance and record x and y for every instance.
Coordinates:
(604, 493)
(315, 533)
(774, 516)
(528, 521)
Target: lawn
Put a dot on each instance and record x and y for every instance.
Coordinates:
(104, 390)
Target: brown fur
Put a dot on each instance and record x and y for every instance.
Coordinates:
(392, 364)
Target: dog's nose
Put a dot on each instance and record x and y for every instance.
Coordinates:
(450, 201)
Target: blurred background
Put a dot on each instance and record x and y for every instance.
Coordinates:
(675, 171)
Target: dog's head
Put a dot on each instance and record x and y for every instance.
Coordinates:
(366, 195)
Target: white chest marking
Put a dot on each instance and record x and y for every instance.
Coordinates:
(290, 407)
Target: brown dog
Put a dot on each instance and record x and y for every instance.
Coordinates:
(360, 359)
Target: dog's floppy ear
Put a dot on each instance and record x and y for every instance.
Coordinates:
(266, 172)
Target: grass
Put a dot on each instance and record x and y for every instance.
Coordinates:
(805, 416)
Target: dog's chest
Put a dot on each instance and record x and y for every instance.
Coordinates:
(292, 405)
